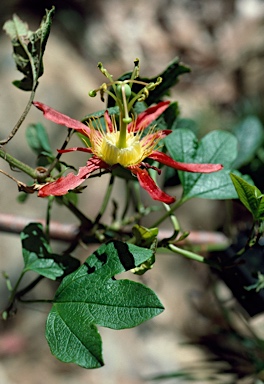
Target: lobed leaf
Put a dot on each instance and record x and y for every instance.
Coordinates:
(216, 147)
(38, 256)
(249, 133)
(92, 296)
(76, 341)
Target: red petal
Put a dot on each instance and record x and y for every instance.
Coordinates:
(108, 122)
(64, 184)
(60, 118)
(188, 167)
(151, 187)
(81, 149)
(149, 115)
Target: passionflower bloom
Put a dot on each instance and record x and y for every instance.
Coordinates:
(124, 145)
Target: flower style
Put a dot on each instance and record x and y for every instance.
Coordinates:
(125, 146)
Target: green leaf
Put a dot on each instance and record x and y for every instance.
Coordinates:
(38, 256)
(91, 296)
(37, 139)
(28, 49)
(184, 123)
(22, 197)
(100, 114)
(75, 341)
(250, 196)
(249, 134)
(216, 147)
(169, 78)
(123, 173)
(144, 236)
(70, 198)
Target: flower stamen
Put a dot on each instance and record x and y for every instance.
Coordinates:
(105, 143)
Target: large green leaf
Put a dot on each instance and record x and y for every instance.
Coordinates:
(74, 339)
(249, 133)
(28, 49)
(250, 196)
(38, 256)
(216, 147)
(91, 296)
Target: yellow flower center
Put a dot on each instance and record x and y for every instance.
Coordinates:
(105, 145)
(111, 154)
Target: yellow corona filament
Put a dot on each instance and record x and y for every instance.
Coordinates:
(104, 144)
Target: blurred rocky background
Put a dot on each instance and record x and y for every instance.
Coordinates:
(222, 41)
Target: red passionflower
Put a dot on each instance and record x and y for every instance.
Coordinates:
(107, 152)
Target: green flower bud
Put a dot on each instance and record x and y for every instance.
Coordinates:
(92, 93)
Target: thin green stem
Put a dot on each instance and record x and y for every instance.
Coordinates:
(143, 93)
(113, 96)
(12, 297)
(106, 200)
(173, 218)
(14, 291)
(139, 205)
(125, 210)
(134, 99)
(33, 173)
(169, 212)
(19, 164)
(174, 221)
(29, 287)
(153, 172)
(192, 256)
(21, 119)
(188, 254)
(48, 216)
(45, 301)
